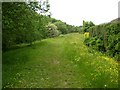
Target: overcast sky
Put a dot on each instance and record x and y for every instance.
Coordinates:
(74, 12)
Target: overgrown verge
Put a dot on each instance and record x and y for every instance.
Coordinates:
(96, 69)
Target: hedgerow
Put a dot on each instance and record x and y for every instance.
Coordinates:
(105, 38)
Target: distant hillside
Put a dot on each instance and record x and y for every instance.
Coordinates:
(116, 20)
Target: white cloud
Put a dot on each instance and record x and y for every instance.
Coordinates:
(75, 11)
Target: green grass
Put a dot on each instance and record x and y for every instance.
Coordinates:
(61, 62)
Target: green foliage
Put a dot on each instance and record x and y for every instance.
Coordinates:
(65, 28)
(22, 24)
(87, 25)
(52, 30)
(61, 27)
(106, 38)
(86, 35)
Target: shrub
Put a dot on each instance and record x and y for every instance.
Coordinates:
(86, 34)
(52, 30)
(105, 38)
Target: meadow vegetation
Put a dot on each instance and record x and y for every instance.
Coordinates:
(43, 52)
(58, 62)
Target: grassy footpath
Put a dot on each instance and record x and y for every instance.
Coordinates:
(58, 62)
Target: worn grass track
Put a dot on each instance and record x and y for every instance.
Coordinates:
(61, 62)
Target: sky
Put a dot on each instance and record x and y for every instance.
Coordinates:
(73, 12)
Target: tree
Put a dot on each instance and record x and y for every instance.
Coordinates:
(87, 25)
(22, 24)
(61, 27)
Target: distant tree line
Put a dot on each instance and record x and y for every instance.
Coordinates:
(65, 28)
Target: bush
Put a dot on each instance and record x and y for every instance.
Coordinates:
(105, 38)
(52, 30)
(86, 34)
